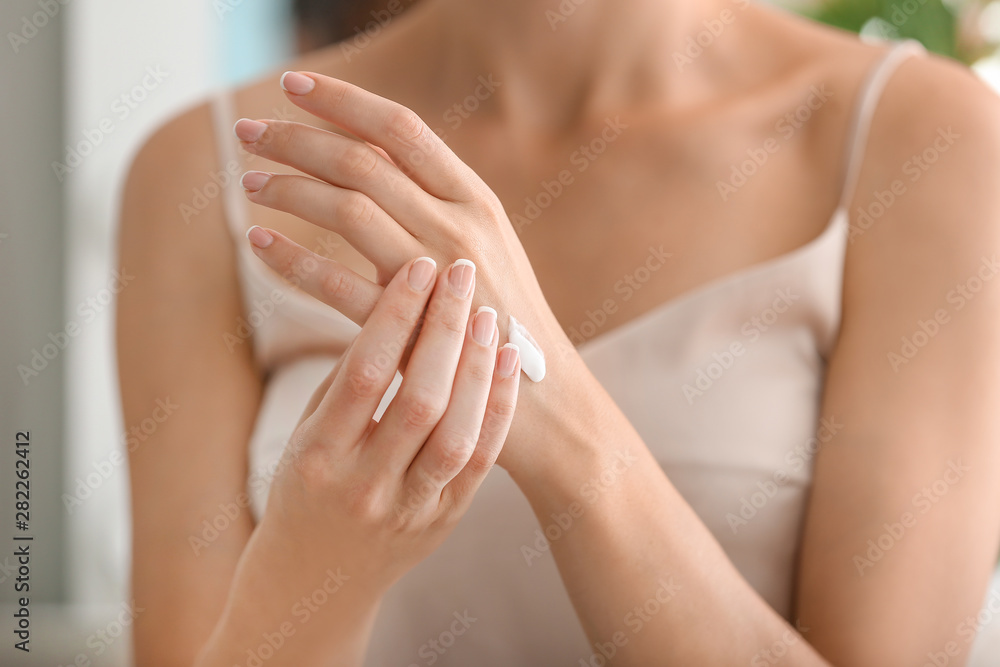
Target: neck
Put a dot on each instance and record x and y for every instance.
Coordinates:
(564, 62)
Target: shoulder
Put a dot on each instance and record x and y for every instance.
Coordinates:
(934, 110)
(927, 190)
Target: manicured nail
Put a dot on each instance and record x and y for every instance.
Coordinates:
(249, 130)
(508, 359)
(460, 277)
(297, 84)
(422, 273)
(253, 181)
(484, 325)
(259, 237)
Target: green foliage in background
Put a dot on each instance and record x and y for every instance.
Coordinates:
(949, 29)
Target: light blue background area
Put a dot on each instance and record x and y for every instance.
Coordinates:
(255, 36)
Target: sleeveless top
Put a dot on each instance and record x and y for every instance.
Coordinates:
(723, 383)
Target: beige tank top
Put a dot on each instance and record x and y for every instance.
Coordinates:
(721, 420)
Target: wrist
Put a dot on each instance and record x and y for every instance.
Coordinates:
(567, 431)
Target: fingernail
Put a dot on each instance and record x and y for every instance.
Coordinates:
(484, 325)
(253, 181)
(460, 277)
(249, 130)
(508, 359)
(297, 84)
(259, 237)
(422, 273)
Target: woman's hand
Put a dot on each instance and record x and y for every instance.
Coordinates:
(394, 193)
(368, 500)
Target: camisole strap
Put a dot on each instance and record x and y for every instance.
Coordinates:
(868, 99)
(229, 162)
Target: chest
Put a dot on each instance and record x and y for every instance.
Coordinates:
(627, 217)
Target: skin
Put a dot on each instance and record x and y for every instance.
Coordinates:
(902, 429)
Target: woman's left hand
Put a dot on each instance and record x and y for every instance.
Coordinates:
(395, 193)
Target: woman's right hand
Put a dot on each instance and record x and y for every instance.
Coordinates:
(368, 500)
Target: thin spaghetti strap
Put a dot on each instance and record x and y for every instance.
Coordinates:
(229, 164)
(868, 99)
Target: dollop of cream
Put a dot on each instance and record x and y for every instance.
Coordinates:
(532, 358)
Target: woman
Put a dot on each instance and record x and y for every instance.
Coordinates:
(757, 257)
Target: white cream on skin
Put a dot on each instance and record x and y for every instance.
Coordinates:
(532, 359)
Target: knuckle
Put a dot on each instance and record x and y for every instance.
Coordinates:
(502, 409)
(278, 135)
(406, 125)
(487, 207)
(454, 449)
(359, 161)
(363, 380)
(444, 317)
(356, 209)
(311, 465)
(482, 461)
(480, 374)
(337, 286)
(453, 325)
(362, 500)
(401, 315)
(421, 408)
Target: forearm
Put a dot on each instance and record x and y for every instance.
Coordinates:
(648, 580)
(286, 616)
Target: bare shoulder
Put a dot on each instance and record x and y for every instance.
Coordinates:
(927, 192)
(933, 111)
(174, 239)
(168, 173)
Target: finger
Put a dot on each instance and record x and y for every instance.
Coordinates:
(496, 423)
(369, 366)
(418, 151)
(423, 396)
(338, 160)
(325, 279)
(454, 439)
(349, 213)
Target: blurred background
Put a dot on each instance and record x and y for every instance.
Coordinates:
(84, 82)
